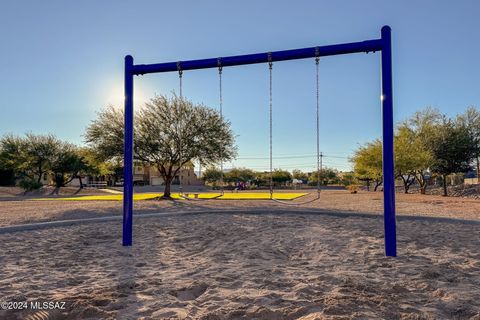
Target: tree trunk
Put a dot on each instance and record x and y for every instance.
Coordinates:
(421, 181)
(59, 180)
(478, 168)
(168, 184)
(423, 188)
(445, 186)
(410, 181)
(377, 184)
(40, 174)
(167, 177)
(406, 185)
(80, 181)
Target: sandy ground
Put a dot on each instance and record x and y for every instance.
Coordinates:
(270, 262)
(247, 266)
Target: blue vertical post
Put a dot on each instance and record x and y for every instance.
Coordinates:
(388, 148)
(128, 155)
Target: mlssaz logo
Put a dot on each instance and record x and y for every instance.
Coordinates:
(47, 305)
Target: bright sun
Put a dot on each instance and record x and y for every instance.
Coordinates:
(115, 96)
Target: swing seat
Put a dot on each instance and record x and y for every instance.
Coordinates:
(195, 195)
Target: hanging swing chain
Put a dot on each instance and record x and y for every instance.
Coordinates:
(319, 169)
(220, 69)
(180, 77)
(270, 66)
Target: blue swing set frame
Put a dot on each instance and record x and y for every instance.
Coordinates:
(383, 44)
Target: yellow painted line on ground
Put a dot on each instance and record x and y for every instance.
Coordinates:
(148, 196)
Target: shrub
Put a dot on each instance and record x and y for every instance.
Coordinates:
(29, 184)
(353, 188)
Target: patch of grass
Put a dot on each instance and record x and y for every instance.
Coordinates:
(176, 196)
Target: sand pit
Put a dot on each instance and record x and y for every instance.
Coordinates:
(281, 265)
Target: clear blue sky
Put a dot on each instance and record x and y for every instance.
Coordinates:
(61, 61)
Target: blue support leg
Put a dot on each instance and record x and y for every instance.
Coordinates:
(388, 148)
(128, 155)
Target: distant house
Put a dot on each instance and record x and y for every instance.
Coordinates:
(297, 181)
(185, 176)
(144, 175)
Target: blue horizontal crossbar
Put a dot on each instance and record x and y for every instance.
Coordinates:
(336, 49)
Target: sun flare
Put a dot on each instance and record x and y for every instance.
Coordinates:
(115, 96)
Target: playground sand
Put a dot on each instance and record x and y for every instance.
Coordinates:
(246, 266)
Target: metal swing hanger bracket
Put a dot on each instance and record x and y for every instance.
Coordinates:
(219, 65)
(179, 68)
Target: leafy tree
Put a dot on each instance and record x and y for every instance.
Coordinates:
(7, 174)
(239, 174)
(299, 175)
(262, 179)
(347, 178)
(114, 169)
(281, 176)
(422, 127)
(406, 159)
(105, 134)
(327, 176)
(30, 156)
(94, 165)
(169, 134)
(40, 151)
(28, 184)
(11, 148)
(68, 164)
(111, 169)
(212, 175)
(453, 149)
(471, 120)
(367, 162)
(34, 156)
